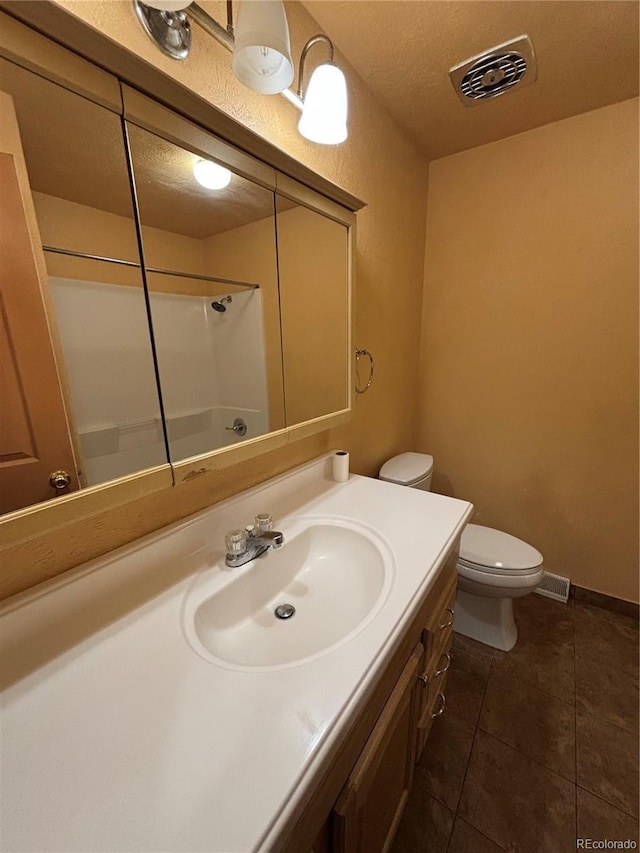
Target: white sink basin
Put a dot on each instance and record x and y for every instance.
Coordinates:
(336, 574)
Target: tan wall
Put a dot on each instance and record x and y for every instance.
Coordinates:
(378, 164)
(529, 374)
(69, 225)
(312, 256)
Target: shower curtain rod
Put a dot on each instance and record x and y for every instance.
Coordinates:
(245, 284)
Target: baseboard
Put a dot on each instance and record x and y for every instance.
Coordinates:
(607, 602)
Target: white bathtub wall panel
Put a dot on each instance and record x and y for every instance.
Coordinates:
(186, 357)
(238, 339)
(105, 340)
(100, 469)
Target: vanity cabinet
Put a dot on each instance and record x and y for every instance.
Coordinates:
(372, 801)
(437, 658)
(387, 738)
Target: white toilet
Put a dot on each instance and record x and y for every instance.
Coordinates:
(493, 567)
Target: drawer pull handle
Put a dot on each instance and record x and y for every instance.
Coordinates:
(444, 669)
(441, 708)
(423, 678)
(450, 622)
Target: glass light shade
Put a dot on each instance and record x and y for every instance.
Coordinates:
(211, 175)
(262, 51)
(168, 5)
(324, 114)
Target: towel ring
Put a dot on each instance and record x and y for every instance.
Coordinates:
(359, 354)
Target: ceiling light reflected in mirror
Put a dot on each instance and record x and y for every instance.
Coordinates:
(211, 175)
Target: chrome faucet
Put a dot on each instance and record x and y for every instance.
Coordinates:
(245, 545)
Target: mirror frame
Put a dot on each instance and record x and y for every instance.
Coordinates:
(260, 161)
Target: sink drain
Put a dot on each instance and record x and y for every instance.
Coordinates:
(284, 611)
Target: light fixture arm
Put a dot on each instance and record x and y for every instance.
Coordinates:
(230, 18)
(305, 50)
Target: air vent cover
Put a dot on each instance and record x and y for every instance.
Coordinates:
(495, 72)
(554, 586)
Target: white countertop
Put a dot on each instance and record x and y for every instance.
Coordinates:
(117, 736)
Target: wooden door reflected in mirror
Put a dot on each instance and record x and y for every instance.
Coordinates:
(79, 261)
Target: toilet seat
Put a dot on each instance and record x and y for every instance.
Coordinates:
(480, 580)
(492, 552)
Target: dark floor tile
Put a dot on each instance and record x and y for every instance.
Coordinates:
(444, 760)
(600, 821)
(543, 621)
(548, 668)
(466, 683)
(473, 648)
(536, 723)
(609, 638)
(605, 602)
(426, 824)
(516, 802)
(607, 693)
(607, 762)
(466, 839)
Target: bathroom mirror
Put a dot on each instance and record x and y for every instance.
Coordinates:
(313, 268)
(99, 261)
(78, 359)
(209, 245)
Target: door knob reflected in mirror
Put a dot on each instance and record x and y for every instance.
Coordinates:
(59, 480)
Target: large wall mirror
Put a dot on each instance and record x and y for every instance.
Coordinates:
(314, 305)
(146, 316)
(209, 238)
(77, 360)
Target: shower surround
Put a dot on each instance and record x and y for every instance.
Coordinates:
(212, 370)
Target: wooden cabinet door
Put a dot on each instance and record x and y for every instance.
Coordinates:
(34, 436)
(371, 803)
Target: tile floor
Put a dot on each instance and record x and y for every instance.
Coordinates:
(538, 747)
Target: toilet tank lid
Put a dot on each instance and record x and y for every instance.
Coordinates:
(495, 549)
(407, 468)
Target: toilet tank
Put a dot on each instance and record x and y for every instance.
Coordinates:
(409, 469)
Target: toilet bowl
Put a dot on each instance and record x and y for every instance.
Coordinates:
(493, 567)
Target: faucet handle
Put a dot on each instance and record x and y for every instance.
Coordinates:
(236, 541)
(263, 522)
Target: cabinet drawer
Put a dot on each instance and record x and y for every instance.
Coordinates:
(433, 681)
(437, 636)
(433, 708)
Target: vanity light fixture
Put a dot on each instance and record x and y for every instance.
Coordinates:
(324, 111)
(262, 50)
(261, 57)
(211, 175)
(166, 22)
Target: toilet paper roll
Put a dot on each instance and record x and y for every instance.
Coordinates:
(341, 466)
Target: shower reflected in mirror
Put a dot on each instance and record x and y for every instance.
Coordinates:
(215, 305)
(221, 305)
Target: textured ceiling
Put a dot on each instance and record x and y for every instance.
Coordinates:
(74, 150)
(587, 54)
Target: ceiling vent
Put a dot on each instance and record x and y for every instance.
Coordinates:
(495, 72)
